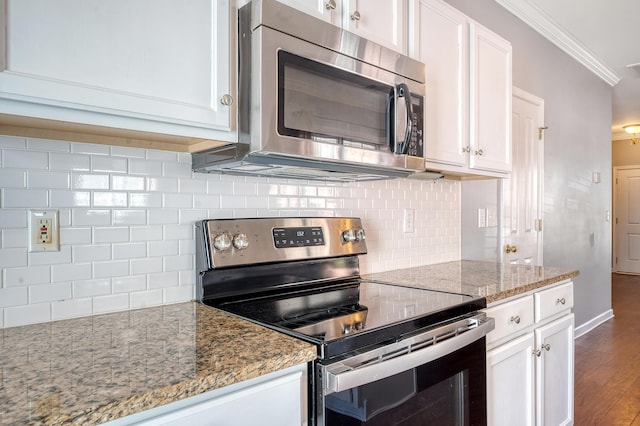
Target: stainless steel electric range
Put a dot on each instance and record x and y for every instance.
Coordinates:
(387, 354)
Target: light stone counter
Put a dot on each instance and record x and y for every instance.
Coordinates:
(100, 368)
(492, 280)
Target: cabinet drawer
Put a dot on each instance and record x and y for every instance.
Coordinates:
(554, 300)
(511, 317)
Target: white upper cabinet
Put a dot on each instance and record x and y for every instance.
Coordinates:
(468, 91)
(381, 21)
(145, 65)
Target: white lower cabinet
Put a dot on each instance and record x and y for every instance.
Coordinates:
(276, 399)
(530, 363)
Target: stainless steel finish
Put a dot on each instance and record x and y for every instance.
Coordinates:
(546, 347)
(260, 248)
(267, 26)
(405, 354)
(466, 149)
(537, 352)
(226, 100)
(240, 241)
(330, 5)
(479, 152)
(355, 16)
(222, 241)
(515, 319)
(561, 301)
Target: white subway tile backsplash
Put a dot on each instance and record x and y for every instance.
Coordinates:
(115, 268)
(145, 200)
(129, 217)
(91, 288)
(49, 292)
(146, 298)
(48, 145)
(111, 235)
(15, 277)
(110, 199)
(91, 217)
(129, 284)
(13, 218)
(13, 178)
(27, 314)
(127, 235)
(70, 199)
(37, 179)
(25, 159)
(25, 198)
(13, 257)
(111, 303)
(145, 167)
(14, 296)
(89, 181)
(13, 142)
(178, 294)
(58, 161)
(71, 272)
(108, 164)
(72, 308)
(15, 238)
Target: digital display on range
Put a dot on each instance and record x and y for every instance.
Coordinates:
(298, 237)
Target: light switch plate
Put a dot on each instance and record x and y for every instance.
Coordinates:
(482, 218)
(44, 230)
(409, 221)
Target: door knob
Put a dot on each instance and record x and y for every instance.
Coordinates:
(510, 249)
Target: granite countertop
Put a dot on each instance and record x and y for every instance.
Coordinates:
(95, 369)
(492, 280)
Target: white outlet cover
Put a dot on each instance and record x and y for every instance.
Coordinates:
(35, 230)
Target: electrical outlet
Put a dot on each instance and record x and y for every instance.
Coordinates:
(44, 231)
(409, 220)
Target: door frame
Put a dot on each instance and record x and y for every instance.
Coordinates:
(539, 103)
(614, 217)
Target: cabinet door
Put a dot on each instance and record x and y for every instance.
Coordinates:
(441, 41)
(510, 386)
(327, 10)
(554, 373)
(147, 65)
(381, 21)
(490, 100)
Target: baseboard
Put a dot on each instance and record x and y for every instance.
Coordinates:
(593, 323)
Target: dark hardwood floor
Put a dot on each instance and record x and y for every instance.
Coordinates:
(607, 362)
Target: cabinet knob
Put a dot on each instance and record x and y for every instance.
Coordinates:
(479, 152)
(537, 352)
(561, 301)
(515, 319)
(226, 100)
(546, 347)
(466, 149)
(355, 16)
(330, 5)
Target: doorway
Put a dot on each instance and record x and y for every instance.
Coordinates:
(626, 201)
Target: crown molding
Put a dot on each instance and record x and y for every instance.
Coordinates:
(542, 23)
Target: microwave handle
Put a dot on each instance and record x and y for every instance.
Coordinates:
(400, 145)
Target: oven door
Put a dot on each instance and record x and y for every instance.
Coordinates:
(437, 377)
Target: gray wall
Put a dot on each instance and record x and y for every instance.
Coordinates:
(578, 142)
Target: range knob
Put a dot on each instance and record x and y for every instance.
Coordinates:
(360, 235)
(240, 241)
(348, 236)
(222, 241)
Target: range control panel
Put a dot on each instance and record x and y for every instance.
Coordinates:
(234, 242)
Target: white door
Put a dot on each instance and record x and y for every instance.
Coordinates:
(628, 220)
(522, 191)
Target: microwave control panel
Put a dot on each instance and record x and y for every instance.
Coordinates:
(416, 143)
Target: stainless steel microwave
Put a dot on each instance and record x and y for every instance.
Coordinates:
(315, 101)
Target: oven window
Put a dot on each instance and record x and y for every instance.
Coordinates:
(449, 391)
(327, 104)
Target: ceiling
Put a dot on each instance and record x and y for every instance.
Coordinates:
(600, 34)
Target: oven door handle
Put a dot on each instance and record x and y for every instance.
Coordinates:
(354, 377)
